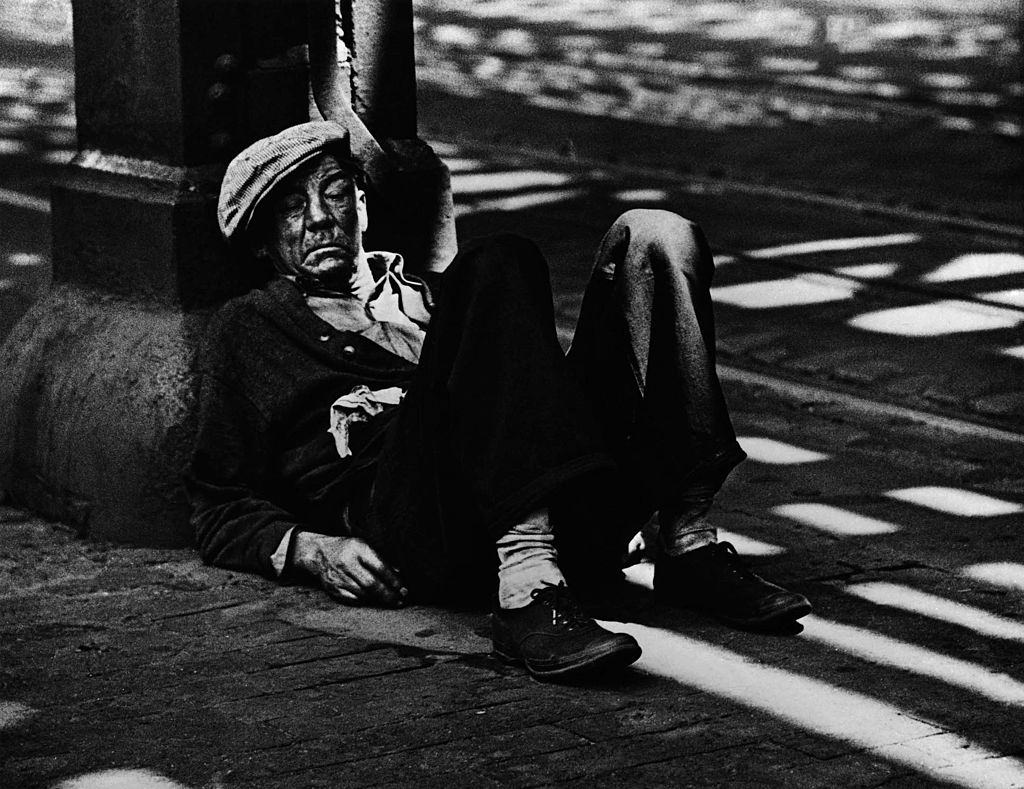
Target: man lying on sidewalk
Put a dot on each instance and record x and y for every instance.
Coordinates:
(466, 453)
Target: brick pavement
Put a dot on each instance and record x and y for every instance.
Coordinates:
(140, 659)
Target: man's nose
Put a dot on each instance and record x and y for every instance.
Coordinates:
(317, 213)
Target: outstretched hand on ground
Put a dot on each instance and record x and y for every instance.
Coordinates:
(349, 570)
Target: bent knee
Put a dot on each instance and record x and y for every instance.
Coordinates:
(654, 224)
(646, 238)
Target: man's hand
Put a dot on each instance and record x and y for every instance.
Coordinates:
(349, 569)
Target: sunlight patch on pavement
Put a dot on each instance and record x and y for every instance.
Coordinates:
(956, 501)
(518, 202)
(882, 729)
(641, 574)
(937, 318)
(444, 149)
(1008, 128)
(834, 520)
(939, 79)
(869, 270)
(904, 29)
(58, 156)
(1008, 575)
(976, 265)
(456, 35)
(887, 651)
(833, 245)
(120, 779)
(914, 601)
(641, 196)
(505, 181)
(21, 200)
(462, 165)
(13, 713)
(863, 73)
(957, 123)
(25, 259)
(1013, 297)
(515, 41)
(748, 546)
(789, 292)
(789, 65)
(22, 111)
(768, 450)
(12, 147)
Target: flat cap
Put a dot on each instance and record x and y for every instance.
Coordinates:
(260, 167)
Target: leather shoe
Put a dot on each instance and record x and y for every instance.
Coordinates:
(714, 580)
(554, 639)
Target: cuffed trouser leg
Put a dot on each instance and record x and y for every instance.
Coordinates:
(492, 427)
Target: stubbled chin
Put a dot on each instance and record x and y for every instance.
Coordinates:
(332, 266)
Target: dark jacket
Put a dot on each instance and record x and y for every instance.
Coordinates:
(263, 460)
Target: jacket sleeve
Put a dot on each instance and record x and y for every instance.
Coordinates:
(237, 524)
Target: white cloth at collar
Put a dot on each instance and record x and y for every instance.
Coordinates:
(398, 306)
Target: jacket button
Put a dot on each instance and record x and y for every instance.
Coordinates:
(348, 350)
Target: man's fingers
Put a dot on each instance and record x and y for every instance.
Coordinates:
(341, 594)
(348, 583)
(367, 586)
(355, 573)
(384, 574)
(375, 589)
(362, 576)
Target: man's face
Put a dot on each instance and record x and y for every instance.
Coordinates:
(316, 217)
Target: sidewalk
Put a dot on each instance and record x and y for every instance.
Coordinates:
(903, 534)
(909, 672)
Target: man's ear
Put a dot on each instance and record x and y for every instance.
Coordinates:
(361, 212)
(260, 251)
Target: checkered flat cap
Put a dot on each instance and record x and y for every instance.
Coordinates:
(259, 168)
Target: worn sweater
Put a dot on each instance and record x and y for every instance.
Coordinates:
(263, 461)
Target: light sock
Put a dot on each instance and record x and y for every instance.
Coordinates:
(527, 560)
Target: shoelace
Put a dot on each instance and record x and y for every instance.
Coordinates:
(730, 557)
(565, 611)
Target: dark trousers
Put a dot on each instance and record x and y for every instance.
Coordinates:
(498, 421)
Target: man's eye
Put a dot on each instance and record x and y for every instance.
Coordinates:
(291, 205)
(336, 193)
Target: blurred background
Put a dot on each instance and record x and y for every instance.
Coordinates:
(902, 103)
(916, 102)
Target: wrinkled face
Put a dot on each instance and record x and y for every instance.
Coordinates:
(314, 221)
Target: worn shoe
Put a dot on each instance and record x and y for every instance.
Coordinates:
(554, 639)
(714, 580)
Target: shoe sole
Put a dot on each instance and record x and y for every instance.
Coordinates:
(611, 659)
(782, 616)
(777, 618)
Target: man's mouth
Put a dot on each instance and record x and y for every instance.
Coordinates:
(323, 250)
